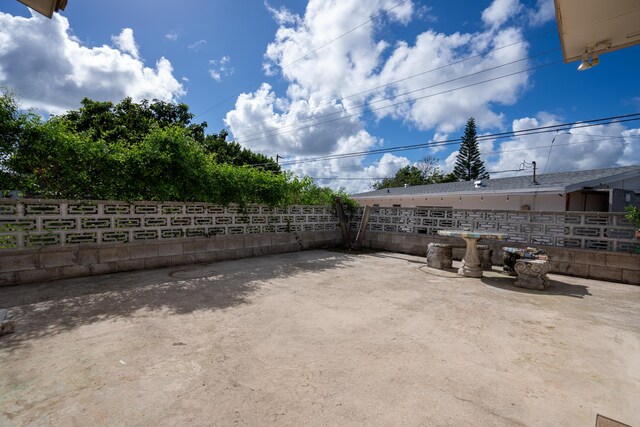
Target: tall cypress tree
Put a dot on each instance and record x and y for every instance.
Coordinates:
(469, 165)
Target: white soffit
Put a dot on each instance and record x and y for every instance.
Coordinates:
(596, 26)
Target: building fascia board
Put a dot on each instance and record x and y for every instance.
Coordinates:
(545, 190)
(602, 181)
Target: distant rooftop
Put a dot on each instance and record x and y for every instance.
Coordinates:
(552, 182)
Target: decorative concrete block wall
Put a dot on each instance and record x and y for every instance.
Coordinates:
(50, 239)
(583, 244)
(40, 223)
(599, 231)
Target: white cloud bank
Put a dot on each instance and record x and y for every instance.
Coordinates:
(51, 70)
(320, 114)
(581, 148)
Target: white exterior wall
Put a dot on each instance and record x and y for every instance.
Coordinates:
(541, 202)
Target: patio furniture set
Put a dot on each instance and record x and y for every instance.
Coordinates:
(530, 265)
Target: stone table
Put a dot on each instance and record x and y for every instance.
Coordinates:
(471, 262)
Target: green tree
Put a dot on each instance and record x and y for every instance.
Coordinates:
(424, 172)
(233, 153)
(469, 165)
(124, 152)
(129, 121)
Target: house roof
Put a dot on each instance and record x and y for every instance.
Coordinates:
(561, 182)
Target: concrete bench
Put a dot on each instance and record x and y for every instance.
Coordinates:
(512, 255)
(439, 255)
(532, 274)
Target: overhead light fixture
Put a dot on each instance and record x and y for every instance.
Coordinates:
(588, 61)
(590, 56)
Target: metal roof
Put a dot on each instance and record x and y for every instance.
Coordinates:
(563, 182)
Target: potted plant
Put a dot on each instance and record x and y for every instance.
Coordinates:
(633, 215)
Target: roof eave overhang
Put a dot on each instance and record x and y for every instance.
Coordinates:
(602, 181)
(541, 190)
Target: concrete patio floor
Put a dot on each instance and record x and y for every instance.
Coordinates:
(319, 338)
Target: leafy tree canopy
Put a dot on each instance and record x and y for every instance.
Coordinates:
(469, 166)
(146, 151)
(424, 172)
(130, 123)
(234, 154)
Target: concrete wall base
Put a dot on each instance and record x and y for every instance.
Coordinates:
(51, 263)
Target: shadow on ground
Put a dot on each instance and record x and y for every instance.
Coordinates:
(389, 255)
(51, 308)
(556, 288)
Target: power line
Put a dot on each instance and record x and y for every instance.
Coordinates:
(309, 53)
(520, 133)
(366, 104)
(511, 150)
(525, 132)
(403, 102)
(341, 100)
(485, 153)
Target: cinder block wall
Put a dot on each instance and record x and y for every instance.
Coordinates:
(611, 266)
(57, 262)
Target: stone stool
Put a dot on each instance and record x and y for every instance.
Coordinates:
(485, 253)
(6, 326)
(532, 274)
(439, 255)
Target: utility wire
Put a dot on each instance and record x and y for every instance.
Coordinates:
(366, 104)
(341, 100)
(520, 133)
(487, 153)
(403, 102)
(309, 53)
(525, 132)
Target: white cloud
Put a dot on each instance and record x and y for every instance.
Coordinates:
(220, 68)
(355, 176)
(363, 68)
(171, 35)
(438, 137)
(283, 15)
(582, 148)
(543, 12)
(126, 43)
(52, 71)
(196, 46)
(500, 11)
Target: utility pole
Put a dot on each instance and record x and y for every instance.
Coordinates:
(534, 172)
(278, 157)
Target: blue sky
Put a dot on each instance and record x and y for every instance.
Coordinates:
(202, 53)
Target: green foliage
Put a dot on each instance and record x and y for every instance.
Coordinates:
(469, 166)
(424, 172)
(146, 151)
(232, 153)
(633, 215)
(306, 192)
(128, 121)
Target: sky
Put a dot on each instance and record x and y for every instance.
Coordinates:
(306, 79)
